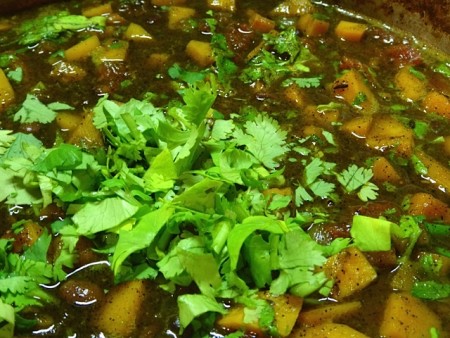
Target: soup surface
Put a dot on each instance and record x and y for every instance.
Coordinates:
(214, 168)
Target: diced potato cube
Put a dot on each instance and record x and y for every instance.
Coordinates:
(437, 103)
(403, 278)
(358, 126)
(222, 5)
(312, 26)
(68, 121)
(410, 86)
(328, 313)
(179, 14)
(429, 206)
(5, 25)
(407, 317)
(310, 130)
(446, 145)
(260, 23)
(350, 31)
(136, 32)
(110, 51)
(86, 134)
(322, 118)
(384, 171)
(119, 311)
(296, 96)
(293, 8)
(438, 174)
(328, 330)
(158, 60)
(386, 132)
(6, 92)
(352, 88)
(351, 272)
(200, 52)
(286, 308)
(82, 49)
(103, 9)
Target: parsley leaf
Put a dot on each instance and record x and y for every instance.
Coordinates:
(51, 26)
(264, 139)
(431, 290)
(34, 110)
(354, 178)
(303, 82)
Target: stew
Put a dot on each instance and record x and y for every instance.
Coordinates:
(221, 168)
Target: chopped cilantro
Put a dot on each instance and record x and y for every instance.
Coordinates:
(443, 68)
(360, 98)
(418, 74)
(356, 178)
(303, 82)
(15, 75)
(51, 26)
(34, 110)
(431, 290)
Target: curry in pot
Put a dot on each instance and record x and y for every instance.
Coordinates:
(220, 168)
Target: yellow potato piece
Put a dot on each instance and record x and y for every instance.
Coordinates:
(328, 330)
(407, 317)
(351, 272)
(6, 92)
(119, 311)
(200, 52)
(82, 49)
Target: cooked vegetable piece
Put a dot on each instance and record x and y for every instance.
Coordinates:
(6, 92)
(446, 145)
(429, 206)
(351, 272)
(136, 32)
(85, 133)
(403, 278)
(328, 330)
(296, 96)
(437, 103)
(27, 236)
(68, 121)
(358, 126)
(408, 317)
(80, 292)
(386, 132)
(158, 60)
(92, 11)
(293, 8)
(328, 313)
(437, 174)
(384, 171)
(222, 5)
(200, 52)
(260, 23)
(352, 88)
(350, 31)
(177, 15)
(120, 309)
(110, 51)
(286, 309)
(82, 49)
(411, 87)
(323, 118)
(312, 26)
